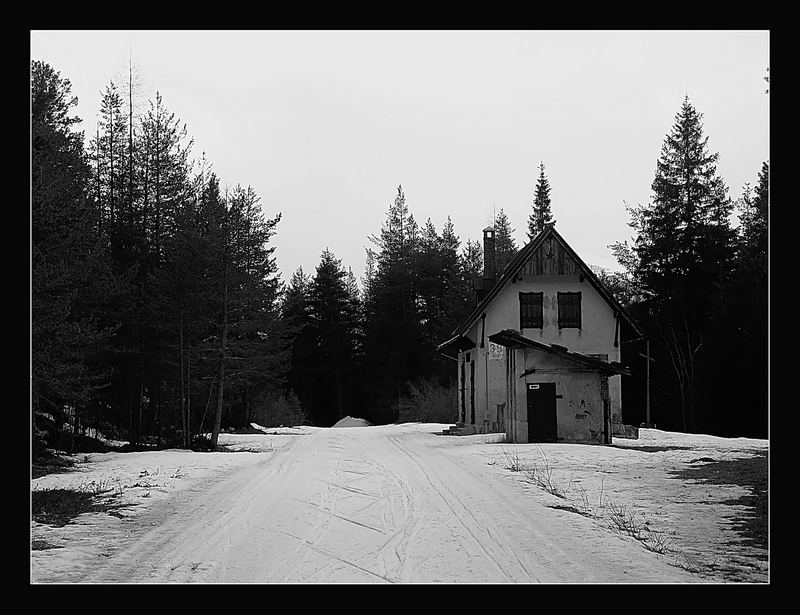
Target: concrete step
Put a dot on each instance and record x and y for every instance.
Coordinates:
(460, 429)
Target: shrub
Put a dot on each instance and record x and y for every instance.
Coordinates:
(428, 402)
(280, 410)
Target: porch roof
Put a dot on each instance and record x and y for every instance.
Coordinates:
(511, 338)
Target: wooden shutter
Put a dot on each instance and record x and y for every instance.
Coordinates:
(530, 310)
(569, 310)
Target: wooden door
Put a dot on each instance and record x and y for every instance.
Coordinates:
(542, 422)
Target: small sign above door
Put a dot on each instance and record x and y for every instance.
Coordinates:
(533, 386)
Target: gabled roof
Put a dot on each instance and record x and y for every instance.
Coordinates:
(517, 263)
(514, 339)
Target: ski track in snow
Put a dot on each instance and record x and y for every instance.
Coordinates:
(381, 504)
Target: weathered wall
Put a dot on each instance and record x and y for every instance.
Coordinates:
(579, 409)
(549, 270)
(595, 337)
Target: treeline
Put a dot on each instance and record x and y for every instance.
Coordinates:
(158, 313)
(155, 299)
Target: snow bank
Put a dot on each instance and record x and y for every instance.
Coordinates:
(349, 421)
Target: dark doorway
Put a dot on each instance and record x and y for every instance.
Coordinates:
(463, 382)
(542, 412)
(472, 392)
(604, 395)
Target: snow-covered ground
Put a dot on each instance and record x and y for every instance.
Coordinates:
(399, 503)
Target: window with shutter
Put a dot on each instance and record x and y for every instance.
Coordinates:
(569, 310)
(530, 310)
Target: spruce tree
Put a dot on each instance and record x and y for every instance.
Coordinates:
(471, 263)
(333, 324)
(246, 286)
(541, 214)
(754, 216)
(684, 249)
(109, 153)
(394, 335)
(298, 334)
(505, 248)
(70, 279)
(740, 327)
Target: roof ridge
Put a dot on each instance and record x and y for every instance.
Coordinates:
(516, 263)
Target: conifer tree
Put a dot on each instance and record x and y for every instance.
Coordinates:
(471, 262)
(505, 247)
(754, 208)
(541, 214)
(69, 277)
(109, 152)
(333, 323)
(684, 249)
(736, 410)
(393, 333)
(246, 297)
(298, 333)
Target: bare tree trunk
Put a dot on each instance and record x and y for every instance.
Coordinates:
(131, 438)
(141, 396)
(183, 390)
(97, 164)
(339, 402)
(158, 187)
(188, 387)
(130, 138)
(683, 356)
(222, 348)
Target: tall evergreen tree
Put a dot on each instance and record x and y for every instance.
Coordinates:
(683, 251)
(298, 332)
(740, 328)
(754, 217)
(333, 315)
(246, 298)
(505, 247)
(393, 332)
(471, 262)
(541, 214)
(69, 276)
(109, 153)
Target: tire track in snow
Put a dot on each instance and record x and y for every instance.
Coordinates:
(475, 529)
(323, 522)
(171, 547)
(388, 520)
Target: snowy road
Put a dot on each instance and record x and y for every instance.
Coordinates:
(369, 505)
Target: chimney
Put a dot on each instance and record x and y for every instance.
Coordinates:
(488, 258)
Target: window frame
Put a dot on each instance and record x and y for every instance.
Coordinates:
(537, 323)
(570, 324)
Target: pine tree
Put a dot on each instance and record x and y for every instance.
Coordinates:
(393, 333)
(247, 300)
(456, 294)
(505, 247)
(69, 276)
(471, 262)
(737, 410)
(333, 324)
(109, 152)
(754, 217)
(299, 337)
(684, 249)
(541, 214)
(165, 150)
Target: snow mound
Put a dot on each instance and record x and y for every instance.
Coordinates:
(349, 421)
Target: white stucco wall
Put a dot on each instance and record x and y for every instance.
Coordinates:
(596, 336)
(579, 405)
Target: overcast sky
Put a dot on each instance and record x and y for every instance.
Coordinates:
(324, 125)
